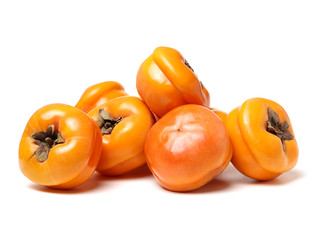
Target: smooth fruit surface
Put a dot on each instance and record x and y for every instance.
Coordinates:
(187, 147)
(60, 147)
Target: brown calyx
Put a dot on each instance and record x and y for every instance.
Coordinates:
(106, 122)
(45, 141)
(279, 129)
(188, 66)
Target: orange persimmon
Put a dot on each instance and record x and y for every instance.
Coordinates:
(264, 145)
(98, 94)
(222, 115)
(60, 147)
(124, 123)
(165, 80)
(187, 147)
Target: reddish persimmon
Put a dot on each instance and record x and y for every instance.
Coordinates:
(187, 147)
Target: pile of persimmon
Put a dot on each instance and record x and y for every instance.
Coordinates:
(171, 128)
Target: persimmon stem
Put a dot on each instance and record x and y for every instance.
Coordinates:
(106, 122)
(45, 141)
(279, 129)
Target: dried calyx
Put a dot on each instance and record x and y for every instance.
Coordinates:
(106, 122)
(45, 141)
(279, 129)
(188, 65)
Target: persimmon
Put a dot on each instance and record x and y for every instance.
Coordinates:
(60, 147)
(187, 147)
(222, 115)
(98, 94)
(165, 80)
(264, 144)
(124, 123)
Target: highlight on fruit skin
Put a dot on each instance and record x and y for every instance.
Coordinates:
(264, 144)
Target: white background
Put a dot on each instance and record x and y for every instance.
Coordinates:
(51, 51)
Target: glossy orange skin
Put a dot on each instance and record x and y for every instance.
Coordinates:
(222, 115)
(164, 82)
(99, 94)
(187, 147)
(256, 152)
(123, 149)
(69, 164)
